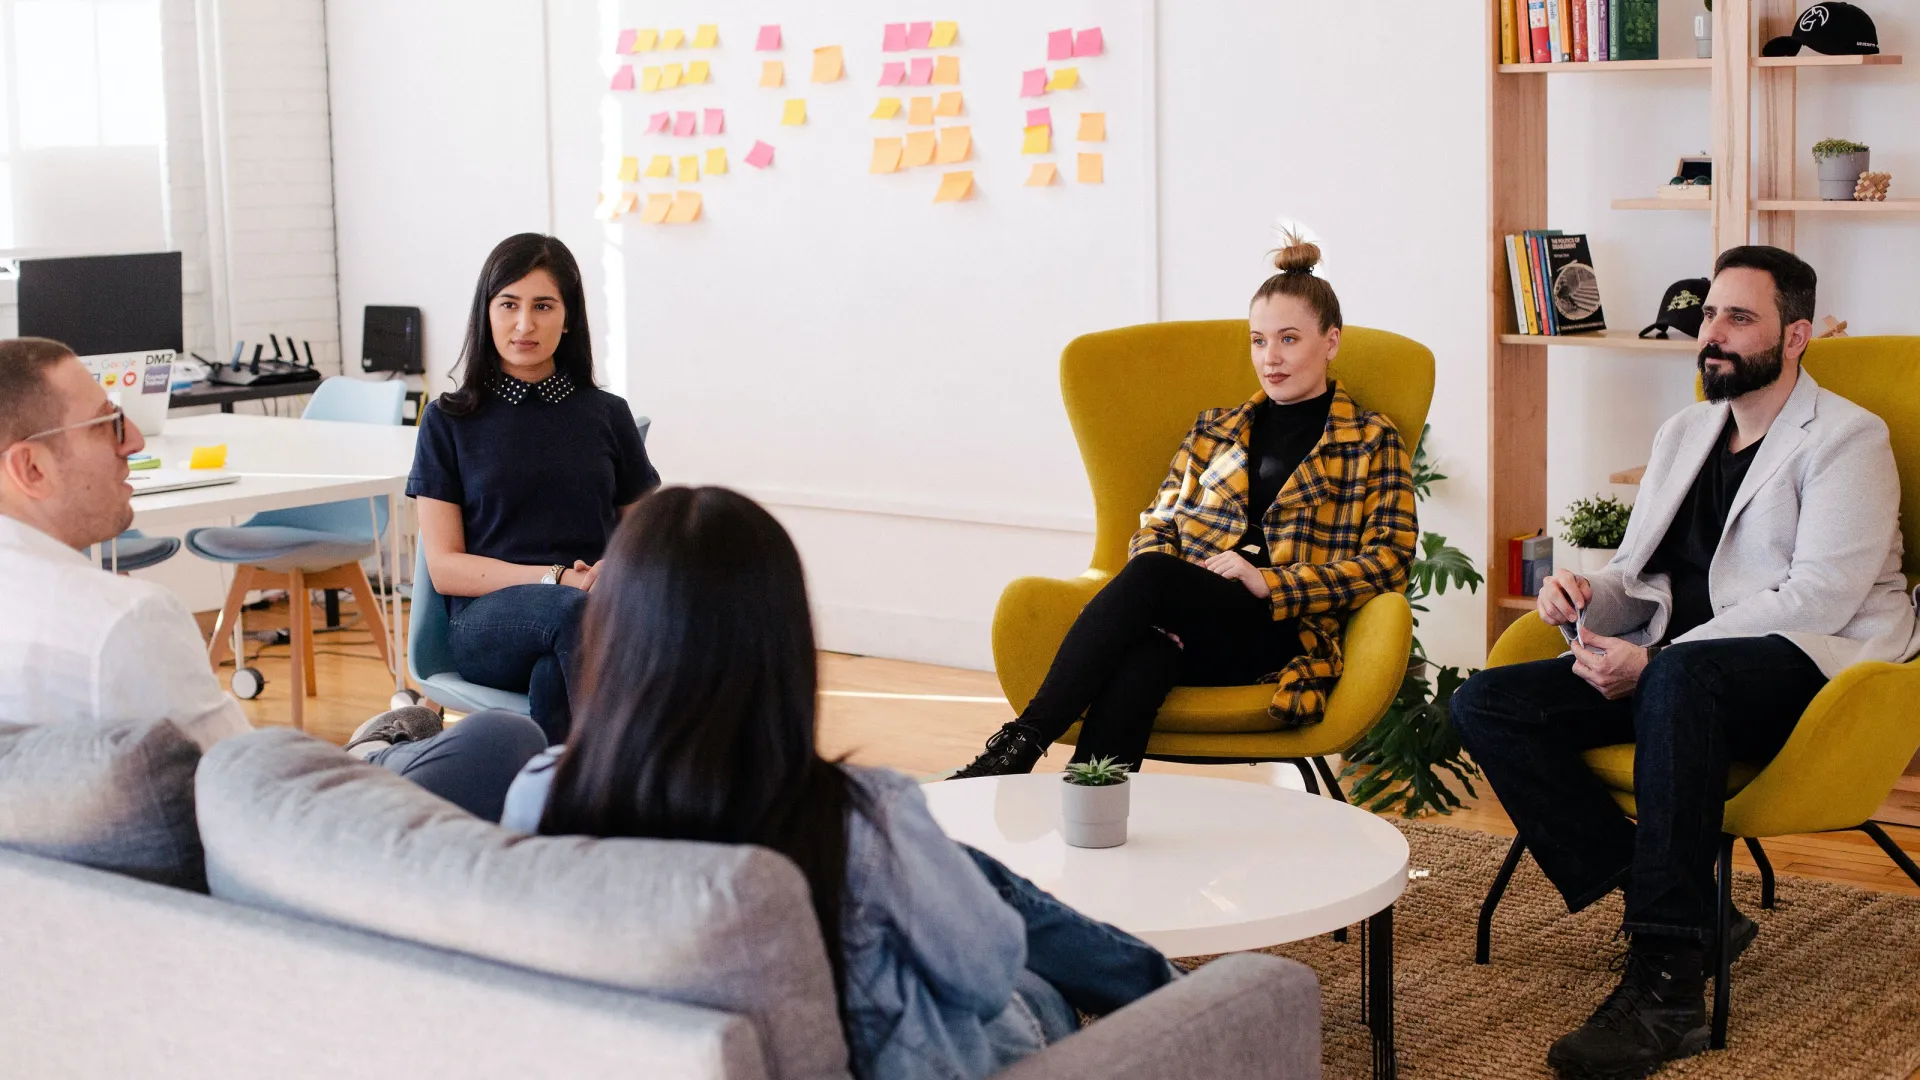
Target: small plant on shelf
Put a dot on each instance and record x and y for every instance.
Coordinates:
(1827, 148)
(1100, 772)
(1599, 522)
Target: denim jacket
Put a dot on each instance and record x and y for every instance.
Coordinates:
(931, 950)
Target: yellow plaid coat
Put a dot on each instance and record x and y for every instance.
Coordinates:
(1341, 530)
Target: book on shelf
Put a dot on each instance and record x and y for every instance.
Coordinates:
(1519, 284)
(1579, 34)
(1555, 28)
(1537, 269)
(1573, 287)
(1639, 29)
(1602, 29)
(1542, 48)
(1509, 39)
(1529, 563)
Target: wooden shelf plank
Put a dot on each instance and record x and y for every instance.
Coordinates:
(1685, 64)
(1518, 603)
(1663, 204)
(1609, 339)
(1627, 476)
(1839, 206)
(1817, 60)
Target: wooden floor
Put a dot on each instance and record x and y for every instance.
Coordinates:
(923, 719)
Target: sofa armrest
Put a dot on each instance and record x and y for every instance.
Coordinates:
(1247, 1015)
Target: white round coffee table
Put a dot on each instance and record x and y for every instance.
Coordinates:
(1209, 866)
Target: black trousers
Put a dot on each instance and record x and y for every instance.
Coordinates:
(1699, 706)
(1118, 661)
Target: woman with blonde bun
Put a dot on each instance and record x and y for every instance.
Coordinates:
(1278, 517)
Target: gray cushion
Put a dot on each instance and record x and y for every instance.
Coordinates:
(114, 797)
(293, 824)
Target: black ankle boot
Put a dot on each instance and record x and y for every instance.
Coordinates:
(1012, 750)
(1657, 1014)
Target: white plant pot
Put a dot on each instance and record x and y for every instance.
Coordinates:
(1592, 560)
(1094, 817)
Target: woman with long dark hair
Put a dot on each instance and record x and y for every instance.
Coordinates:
(696, 722)
(521, 475)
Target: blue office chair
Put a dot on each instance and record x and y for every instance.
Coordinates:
(306, 547)
(134, 550)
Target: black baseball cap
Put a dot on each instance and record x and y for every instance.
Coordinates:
(1680, 308)
(1834, 29)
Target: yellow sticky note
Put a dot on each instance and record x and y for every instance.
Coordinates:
(954, 187)
(827, 64)
(1092, 169)
(706, 37)
(673, 39)
(946, 71)
(1093, 127)
(795, 113)
(886, 156)
(1042, 174)
(670, 76)
(950, 104)
(888, 108)
(1038, 141)
(209, 457)
(661, 165)
(644, 40)
(943, 35)
(716, 161)
(656, 209)
(650, 79)
(920, 111)
(697, 72)
(690, 169)
(956, 145)
(686, 208)
(920, 147)
(1064, 79)
(773, 73)
(629, 170)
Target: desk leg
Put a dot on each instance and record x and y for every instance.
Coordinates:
(1377, 979)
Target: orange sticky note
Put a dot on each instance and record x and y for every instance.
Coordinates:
(650, 79)
(208, 457)
(943, 35)
(920, 111)
(827, 64)
(954, 187)
(644, 40)
(1042, 174)
(696, 73)
(603, 207)
(628, 201)
(920, 148)
(795, 113)
(888, 108)
(1038, 141)
(1065, 78)
(956, 145)
(946, 71)
(673, 39)
(773, 73)
(670, 76)
(1093, 127)
(950, 104)
(660, 166)
(886, 156)
(716, 161)
(706, 37)
(686, 208)
(690, 169)
(655, 211)
(1092, 169)
(629, 169)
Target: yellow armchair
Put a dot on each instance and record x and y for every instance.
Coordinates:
(1859, 732)
(1132, 395)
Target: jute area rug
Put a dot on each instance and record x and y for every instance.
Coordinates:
(1831, 989)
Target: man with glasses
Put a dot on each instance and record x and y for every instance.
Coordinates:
(77, 643)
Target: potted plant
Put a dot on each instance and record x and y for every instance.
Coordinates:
(1594, 529)
(1093, 804)
(1841, 162)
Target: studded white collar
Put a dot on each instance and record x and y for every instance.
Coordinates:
(553, 389)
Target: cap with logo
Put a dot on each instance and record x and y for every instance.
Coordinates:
(1680, 309)
(1834, 29)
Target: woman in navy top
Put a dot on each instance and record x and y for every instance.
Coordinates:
(520, 476)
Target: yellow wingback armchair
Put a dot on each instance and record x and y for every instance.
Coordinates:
(1859, 732)
(1132, 395)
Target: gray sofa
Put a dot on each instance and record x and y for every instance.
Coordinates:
(359, 927)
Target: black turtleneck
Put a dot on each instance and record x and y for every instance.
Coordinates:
(1282, 437)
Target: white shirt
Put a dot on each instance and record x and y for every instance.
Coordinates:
(80, 643)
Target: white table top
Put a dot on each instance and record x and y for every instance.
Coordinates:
(282, 462)
(1209, 865)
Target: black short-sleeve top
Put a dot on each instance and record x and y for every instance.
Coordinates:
(539, 470)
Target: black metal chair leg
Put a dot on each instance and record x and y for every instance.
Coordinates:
(1766, 871)
(1333, 782)
(1483, 942)
(1899, 857)
(1306, 773)
(1723, 973)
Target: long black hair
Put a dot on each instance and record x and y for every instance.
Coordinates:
(509, 261)
(695, 715)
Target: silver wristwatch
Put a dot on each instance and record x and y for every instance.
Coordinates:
(553, 574)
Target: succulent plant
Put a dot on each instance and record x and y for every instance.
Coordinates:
(1100, 772)
(1837, 147)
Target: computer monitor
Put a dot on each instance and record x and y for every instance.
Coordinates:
(120, 314)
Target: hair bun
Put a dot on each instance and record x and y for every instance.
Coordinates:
(1296, 256)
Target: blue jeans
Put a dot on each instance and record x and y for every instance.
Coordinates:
(1699, 707)
(473, 762)
(523, 638)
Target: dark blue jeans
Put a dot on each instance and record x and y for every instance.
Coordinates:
(522, 638)
(472, 763)
(1699, 707)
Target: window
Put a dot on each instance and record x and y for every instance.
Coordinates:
(87, 73)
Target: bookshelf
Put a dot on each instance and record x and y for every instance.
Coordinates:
(1755, 152)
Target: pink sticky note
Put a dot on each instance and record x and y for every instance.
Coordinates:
(1033, 83)
(1089, 43)
(683, 124)
(625, 44)
(896, 38)
(1060, 45)
(769, 39)
(893, 73)
(1040, 118)
(922, 71)
(662, 121)
(760, 156)
(920, 35)
(716, 122)
(623, 79)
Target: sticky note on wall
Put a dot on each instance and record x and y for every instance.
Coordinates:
(894, 38)
(628, 200)
(773, 73)
(893, 73)
(920, 149)
(673, 39)
(1038, 140)
(1060, 45)
(716, 122)
(920, 111)
(887, 109)
(644, 40)
(956, 145)
(944, 34)
(946, 71)
(828, 63)
(696, 73)
(685, 209)
(690, 169)
(951, 104)
(922, 71)
(760, 156)
(1042, 117)
(717, 161)
(622, 79)
(629, 169)
(670, 76)
(660, 166)
(706, 37)
(683, 124)
(1089, 43)
(795, 113)
(650, 79)
(769, 40)
(954, 187)
(1033, 83)
(920, 35)
(659, 123)
(1093, 127)
(1092, 169)
(886, 155)
(656, 209)
(1042, 174)
(1065, 78)
(625, 42)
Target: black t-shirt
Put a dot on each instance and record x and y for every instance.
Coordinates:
(1685, 554)
(539, 471)
(1282, 437)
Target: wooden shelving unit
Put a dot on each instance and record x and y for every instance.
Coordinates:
(1755, 154)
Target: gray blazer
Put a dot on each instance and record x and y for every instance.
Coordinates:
(1811, 549)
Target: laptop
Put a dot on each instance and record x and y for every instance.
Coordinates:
(155, 481)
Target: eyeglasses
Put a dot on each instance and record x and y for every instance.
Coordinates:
(118, 418)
